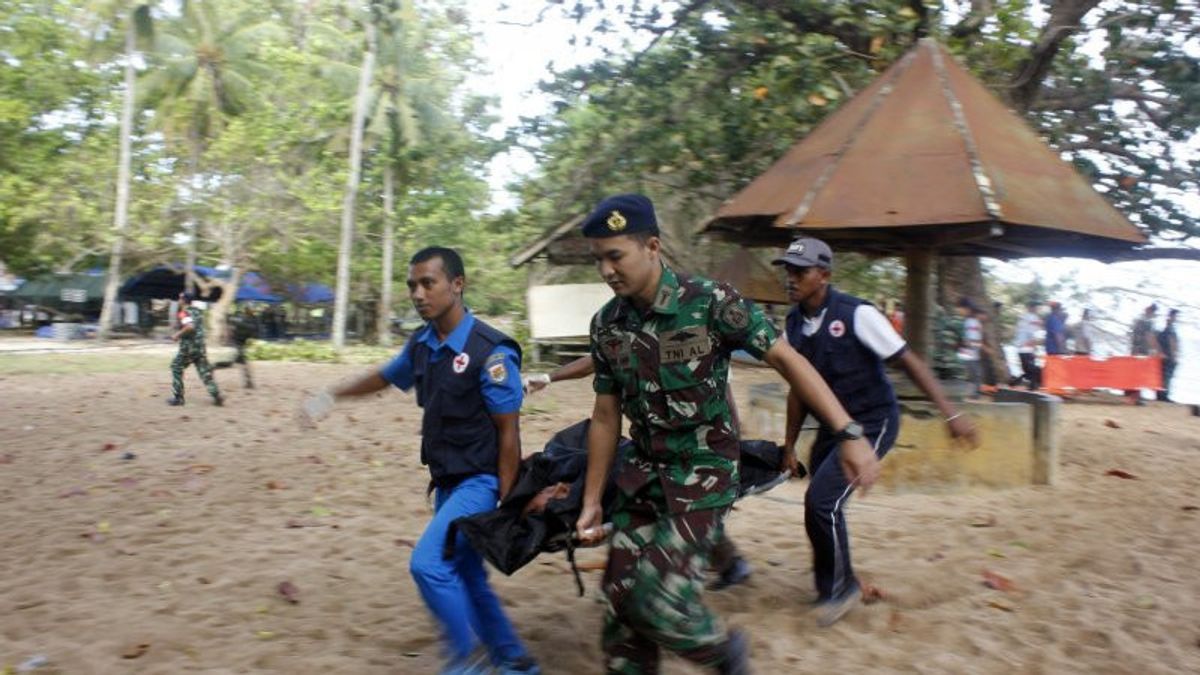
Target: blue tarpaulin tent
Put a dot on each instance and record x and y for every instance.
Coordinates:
(310, 293)
(166, 282)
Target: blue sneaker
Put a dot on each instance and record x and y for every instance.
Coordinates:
(735, 574)
(475, 664)
(524, 665)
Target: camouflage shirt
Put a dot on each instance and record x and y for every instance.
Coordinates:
(669, 367)
(947, 336)
(193, 339)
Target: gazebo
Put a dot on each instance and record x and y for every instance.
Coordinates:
(926, 162)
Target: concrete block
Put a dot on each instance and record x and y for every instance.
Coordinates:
(1019, 442)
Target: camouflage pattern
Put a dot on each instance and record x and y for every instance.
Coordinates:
(243, 327)
(947, 335)
(653, 582)
(191, 350)
(670, 370)
(669, 367)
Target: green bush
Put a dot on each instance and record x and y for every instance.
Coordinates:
(317, 352)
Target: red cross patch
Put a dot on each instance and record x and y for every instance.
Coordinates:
(461, 361)
(837, 328)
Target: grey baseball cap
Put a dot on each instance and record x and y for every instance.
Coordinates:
(806, 252)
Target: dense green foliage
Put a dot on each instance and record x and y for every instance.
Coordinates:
(242, 127)
(240, 137)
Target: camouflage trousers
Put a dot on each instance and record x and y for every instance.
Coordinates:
(653, 583)
(184, 358)
(239, 358)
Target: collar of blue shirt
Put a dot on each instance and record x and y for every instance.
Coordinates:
(456, 341)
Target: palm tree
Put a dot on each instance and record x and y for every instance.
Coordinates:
(205, 73)
(358, 124)
(139, 28)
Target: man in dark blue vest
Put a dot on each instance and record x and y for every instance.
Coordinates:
(468, 381)
(848, 341)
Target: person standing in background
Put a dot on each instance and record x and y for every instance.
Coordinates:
(1142, 342)
(1084, 333)
(970, 344)
(1168, 346)
(1056, 330)
(1026, 340)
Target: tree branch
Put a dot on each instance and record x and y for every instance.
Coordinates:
(1064, 20)
(1161, 253)
(973, 22)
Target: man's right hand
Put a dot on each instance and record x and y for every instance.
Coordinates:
(536, 382)
(859, 463)
(789, 462)
(314, 408)
(590, 526)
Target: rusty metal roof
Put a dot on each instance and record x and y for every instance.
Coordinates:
(927, 157)
(754, 278)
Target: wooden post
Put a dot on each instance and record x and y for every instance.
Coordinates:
(918, 301)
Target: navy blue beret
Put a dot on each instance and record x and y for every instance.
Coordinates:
(621, 214)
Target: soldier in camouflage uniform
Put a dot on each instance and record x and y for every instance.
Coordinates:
(947, 336)
(242, 327)
(661, 350)
(190, 337)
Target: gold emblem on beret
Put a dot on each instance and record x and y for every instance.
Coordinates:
(616, 222)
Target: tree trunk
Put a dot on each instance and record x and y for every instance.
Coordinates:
(342, 295)
(389, 234)
(189, 270)
(962, 277)
(218, 317)
(121, 211)
(918, 299)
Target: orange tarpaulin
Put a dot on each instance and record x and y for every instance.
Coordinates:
(1080, 373)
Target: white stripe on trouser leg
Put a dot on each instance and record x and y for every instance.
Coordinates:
(839, 579)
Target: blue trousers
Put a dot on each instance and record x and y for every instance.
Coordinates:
(827, 493)
(456, 591)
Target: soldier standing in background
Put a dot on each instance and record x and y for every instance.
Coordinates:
(242, 327)
(661, 351)
(190, 337)
(947, 338)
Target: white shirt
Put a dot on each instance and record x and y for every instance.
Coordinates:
(972, 338)
(1025, 337)
(871, 328)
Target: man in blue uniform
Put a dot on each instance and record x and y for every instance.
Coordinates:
(468, 381)
(848, 341)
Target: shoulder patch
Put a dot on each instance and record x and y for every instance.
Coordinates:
(734, 313)
(497, 372)
(494, 357)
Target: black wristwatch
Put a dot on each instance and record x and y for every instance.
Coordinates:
(852, 432)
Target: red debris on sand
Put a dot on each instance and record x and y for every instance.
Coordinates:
(998, 582)
(108, 446)
(406, 542)
(1111, 424)
(276, 485)
(872, 594)
(289, 592)
(1118, 473)
(134, 651)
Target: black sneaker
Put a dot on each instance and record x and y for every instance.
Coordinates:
(737, 572)
(737, 655)
(174, 401)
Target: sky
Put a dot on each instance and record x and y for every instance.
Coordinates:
(524, 44)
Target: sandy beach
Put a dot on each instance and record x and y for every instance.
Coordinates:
(148, 539)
